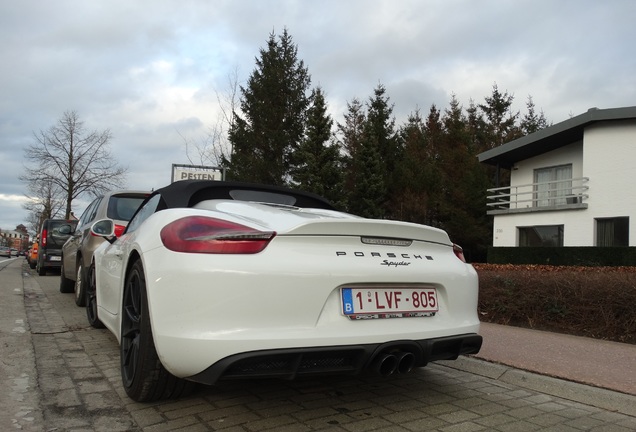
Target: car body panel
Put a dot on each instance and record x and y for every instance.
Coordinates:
(331, 222)
(309, 314)
(33, 254)
(117, 205)
(215, 306)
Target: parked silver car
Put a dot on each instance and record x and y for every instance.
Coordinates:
(77, 252)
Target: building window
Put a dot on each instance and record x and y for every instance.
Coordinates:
(545, 235)
(553, 185)
(612, 231)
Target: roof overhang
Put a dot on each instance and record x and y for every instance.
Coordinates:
(551, 138)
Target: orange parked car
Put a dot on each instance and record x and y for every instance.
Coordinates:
(32, 256)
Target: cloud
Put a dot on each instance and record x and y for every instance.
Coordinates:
(154, 73)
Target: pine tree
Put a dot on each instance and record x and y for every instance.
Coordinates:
(381, 126)
(500, 122)
(380, 133)
(531, 121)
(465, 201)
(351, 135)
(476, 126)
(433, 132)
(415, 177)
(271, 124)
(318, 161)
(367, 198)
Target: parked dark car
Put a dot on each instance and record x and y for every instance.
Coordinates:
(77, 253)
(53, 235)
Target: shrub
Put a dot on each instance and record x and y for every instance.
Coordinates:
(598, 302)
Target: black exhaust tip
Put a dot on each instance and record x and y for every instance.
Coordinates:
(405, 362)
(385, 364)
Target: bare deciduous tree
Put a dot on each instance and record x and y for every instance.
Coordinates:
(74, 161)
(45, 202)
(214, 146)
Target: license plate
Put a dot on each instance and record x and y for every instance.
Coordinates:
(55, 258)
(369, 303)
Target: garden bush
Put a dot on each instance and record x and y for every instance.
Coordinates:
(597, 302)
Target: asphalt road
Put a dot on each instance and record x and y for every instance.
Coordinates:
(59, 374)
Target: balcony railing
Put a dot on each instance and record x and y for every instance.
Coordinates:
(569, 194)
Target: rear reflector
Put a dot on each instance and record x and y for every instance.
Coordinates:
(199, 234)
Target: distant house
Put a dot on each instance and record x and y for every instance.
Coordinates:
(571, 184)
(14, 239)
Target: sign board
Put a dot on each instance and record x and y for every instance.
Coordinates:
(196, 172)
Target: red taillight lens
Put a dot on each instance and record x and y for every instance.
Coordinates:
(198, 234)
(43, 237)
(119, 230)
(459, 252)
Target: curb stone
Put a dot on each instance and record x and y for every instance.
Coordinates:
(585, 394)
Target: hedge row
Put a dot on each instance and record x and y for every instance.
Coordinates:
(564, 256)
(598, 302)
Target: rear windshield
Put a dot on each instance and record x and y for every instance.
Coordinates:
(54, 225)
(123, 207)
(54, 236)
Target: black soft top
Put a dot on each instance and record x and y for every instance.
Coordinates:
(187, 193)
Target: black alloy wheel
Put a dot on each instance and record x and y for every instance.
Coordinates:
(91, 299)
(143, 376)
(131, 331)
(80, 284)
(66, 285)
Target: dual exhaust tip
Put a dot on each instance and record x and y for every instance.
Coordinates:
(391, 362)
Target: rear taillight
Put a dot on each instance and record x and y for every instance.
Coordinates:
(43, 237)
(198, 234)
(119, 230)
(459, 252)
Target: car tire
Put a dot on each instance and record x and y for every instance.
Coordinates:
(66, 284)
(143, 376)
(91, 299)
(40, 268)
(80, 284)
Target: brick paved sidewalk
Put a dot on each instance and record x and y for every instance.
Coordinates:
(604, 364)
(78, 388)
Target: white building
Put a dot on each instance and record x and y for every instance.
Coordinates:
(570, 184)
(13, 239)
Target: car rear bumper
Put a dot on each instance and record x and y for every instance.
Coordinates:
(51, 260)
(386, 358)
(216, 310)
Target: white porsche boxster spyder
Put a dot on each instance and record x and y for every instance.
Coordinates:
(224, 280)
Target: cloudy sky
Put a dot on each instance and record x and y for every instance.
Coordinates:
(150, 71)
